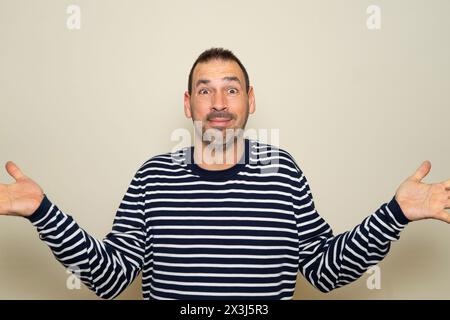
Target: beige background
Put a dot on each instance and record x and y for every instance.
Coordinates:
(358, 109)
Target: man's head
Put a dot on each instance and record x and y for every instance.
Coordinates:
(219, 92)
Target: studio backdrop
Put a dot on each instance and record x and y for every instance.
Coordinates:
(358, 91)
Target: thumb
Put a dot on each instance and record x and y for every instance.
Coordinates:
(422, 171)
(14, 170)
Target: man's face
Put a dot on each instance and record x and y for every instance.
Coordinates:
(219, 98)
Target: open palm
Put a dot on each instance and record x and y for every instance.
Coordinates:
(419, 200)
(21, 198)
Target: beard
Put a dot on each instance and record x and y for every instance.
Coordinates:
(222, 138)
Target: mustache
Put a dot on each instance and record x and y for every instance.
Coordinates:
(220, 114)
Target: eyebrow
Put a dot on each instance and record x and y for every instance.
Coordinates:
(229, 78)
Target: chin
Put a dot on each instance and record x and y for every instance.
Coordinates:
(218, 136)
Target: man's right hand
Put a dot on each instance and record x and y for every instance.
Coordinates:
(21, 198)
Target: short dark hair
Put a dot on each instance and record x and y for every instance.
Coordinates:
(218, 54)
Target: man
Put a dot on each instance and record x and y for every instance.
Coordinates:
(227, 218)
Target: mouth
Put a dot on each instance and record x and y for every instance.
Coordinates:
(221, 122)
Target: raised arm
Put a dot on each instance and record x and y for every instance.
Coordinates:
(330, 261)
(107, 267)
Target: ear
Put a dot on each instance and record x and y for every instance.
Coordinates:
(187, 105)
(251, 100)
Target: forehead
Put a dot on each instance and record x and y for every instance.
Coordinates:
(217, 69)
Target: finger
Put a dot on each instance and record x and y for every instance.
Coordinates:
(14, 170)
(422, 171)
(443, 216)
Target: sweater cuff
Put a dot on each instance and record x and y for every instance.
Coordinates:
(397, 212)
(41, 211)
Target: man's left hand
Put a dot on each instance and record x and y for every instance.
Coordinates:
(419, 200)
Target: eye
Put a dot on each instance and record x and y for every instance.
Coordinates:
(203, 91)
(232, 90)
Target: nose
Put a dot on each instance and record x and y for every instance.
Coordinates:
(219, 101)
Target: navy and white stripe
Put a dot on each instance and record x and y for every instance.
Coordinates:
(239, 233)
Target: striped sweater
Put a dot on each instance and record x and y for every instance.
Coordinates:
(239, 233)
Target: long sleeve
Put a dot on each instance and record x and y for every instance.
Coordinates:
(106, 267)
(328, 261)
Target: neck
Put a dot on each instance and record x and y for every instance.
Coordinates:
(220, 157)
